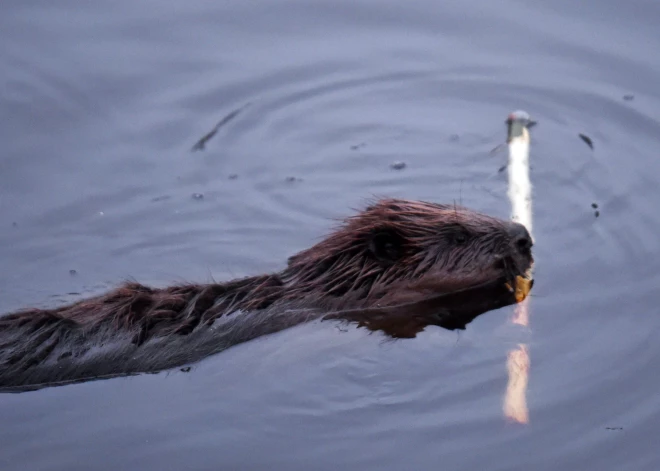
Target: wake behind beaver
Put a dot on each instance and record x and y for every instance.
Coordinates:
(397, 267)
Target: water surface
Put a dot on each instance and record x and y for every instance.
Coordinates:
(102, 102)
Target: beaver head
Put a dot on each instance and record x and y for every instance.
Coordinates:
(398, 251)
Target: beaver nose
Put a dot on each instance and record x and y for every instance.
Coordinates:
(520, 237)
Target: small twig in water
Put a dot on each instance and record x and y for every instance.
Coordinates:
(201, 144)
(587, 140)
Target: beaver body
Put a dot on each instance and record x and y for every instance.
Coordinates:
(397, 267)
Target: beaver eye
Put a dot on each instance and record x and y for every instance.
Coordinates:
(385, 245)
(460, 237)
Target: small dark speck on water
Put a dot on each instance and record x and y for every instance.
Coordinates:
(358, 146)
(73, 272)
(629, 97)
(596, 213)
(398, 165)
(594, 205)
(502, 169)
(233, 176)
(613, 428)
(160, 198)
(292, 179)
(587, 139)
(186, 369)
(197, 196)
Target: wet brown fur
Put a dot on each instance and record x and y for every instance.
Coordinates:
(395, 253)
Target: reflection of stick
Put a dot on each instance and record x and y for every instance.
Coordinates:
(520, 195)
(515, 404)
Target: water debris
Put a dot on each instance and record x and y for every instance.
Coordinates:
(233, 176)
(197, 196)
(628, 97)
(358, 146)
(160, 198)
(502, 168)
(201, 144)
(594, 205)
(292, 179)
(614, 428)
(587, 140)
(398, 165)
(73, 272)
(596, 213)
(186, 369)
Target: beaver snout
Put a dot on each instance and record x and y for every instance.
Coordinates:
(520, 238)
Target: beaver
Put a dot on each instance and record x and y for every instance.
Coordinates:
(397, 267)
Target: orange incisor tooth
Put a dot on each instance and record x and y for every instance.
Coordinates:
(523, 287)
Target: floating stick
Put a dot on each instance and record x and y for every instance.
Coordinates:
(520, 195)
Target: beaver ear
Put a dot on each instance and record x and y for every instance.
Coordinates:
(385, 245)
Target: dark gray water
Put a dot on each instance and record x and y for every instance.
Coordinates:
(101, 103)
